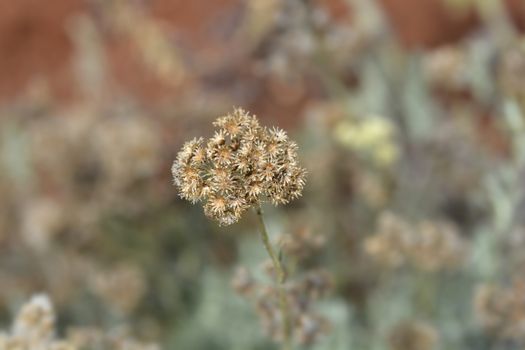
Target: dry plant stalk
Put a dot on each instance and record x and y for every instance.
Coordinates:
(241, 166)
(280, 279)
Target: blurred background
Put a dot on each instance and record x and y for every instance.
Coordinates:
(409, 115)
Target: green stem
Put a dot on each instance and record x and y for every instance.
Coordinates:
(280, 280)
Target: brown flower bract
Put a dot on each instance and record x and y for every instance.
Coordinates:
(240, 166)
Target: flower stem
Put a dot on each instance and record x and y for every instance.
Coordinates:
(280, 280)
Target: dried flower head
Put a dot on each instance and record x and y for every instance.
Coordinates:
(118, 338)
(121, 287)
(36, 321)
(301, 294)
(501, 310)
(34, 329)
(301, 243)
(309, 327)
(240, 166)
(445, 68)
(428, 245)
(437, 245)
(243, 282)
(389, 244)
(413, 335)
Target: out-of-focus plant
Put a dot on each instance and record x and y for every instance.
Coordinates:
(34, 328)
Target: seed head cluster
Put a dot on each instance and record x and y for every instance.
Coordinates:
(240, 166)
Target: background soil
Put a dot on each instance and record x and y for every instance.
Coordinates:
(35, 43)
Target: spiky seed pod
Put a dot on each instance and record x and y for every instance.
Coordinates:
(241, 165)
